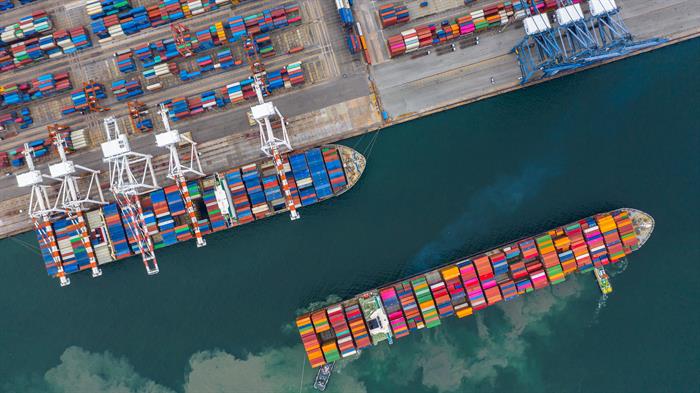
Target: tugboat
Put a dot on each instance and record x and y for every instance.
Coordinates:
(603, 280)
(323, 376)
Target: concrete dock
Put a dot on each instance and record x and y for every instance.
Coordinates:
(342, 96)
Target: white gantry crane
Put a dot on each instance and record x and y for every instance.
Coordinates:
(177, 170)
(41, 210)
(72, 200)
(271, 144)
(130, 175)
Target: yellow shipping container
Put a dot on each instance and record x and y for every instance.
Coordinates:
(450, 272)
(464, 312)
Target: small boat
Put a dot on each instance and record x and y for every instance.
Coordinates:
(323, 376)
(603, 280)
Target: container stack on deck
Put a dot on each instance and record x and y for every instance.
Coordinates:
(485, 279)
(254, 191)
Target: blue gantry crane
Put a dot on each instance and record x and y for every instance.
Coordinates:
(539, 49)
(605, 19)
(576, 41)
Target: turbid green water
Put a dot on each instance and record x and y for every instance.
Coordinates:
(219, 318)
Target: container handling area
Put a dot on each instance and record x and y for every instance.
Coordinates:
(190, 89)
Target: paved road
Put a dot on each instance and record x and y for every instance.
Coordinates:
(224, 123)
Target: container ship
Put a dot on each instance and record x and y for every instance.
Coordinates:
(470, 284)
(221, 201)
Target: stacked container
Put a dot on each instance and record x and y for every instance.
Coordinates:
(594, 239)
(578, 247)
(293, 189)
(97, 9)
(273, 192)
(216, 218)
(425, 302)
(310, 340)
(125, 61)
(115, 230)
(554, 271)
(345, 12)
(234, 93)
(342, 330)
(225, 59)
(396, 45)
(410, 307)
(393, 311)
(6, 5)
(390, 15)
(440, 294)
(70, 246)
(319, 175)
(263, 45)
(34, 50)
(295, 73)
(236, 28)
(626, 229)
(612, 239)
(357, 325)
(328, 342)
(487, 279)
(251, 179)
(124, 90)
(239, 196)
(79, 98)
(455, 288)
(28, 26)
(471, 284)
(40, 87)
(302, 176)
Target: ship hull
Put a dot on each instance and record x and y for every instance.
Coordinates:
(223, 200)
(501, 274)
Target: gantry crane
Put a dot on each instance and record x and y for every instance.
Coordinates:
(177, 171)
(269, 143)
(41, 210)
(130, 175)
(73, 201)
(183, 39)
(577, 39)
(539, 49)
(137, 110)
(91, 97)
(606, 20)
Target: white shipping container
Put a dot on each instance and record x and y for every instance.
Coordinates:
(301, 183)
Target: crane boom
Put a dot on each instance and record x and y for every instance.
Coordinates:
(170, 139)
(126, 188)
(40, 210)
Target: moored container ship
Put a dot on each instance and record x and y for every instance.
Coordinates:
(221, 201)
(470, 284)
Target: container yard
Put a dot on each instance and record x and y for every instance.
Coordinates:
(335, 69)
(466, 286)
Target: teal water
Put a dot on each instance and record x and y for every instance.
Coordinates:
(220, 318)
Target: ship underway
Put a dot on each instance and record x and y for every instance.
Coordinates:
(462, 287)
(221, 201)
